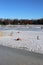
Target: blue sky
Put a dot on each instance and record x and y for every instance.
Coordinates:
(21, 9)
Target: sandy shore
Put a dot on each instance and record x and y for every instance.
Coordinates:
(9, 56)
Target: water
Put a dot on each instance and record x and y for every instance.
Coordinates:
(9, 56)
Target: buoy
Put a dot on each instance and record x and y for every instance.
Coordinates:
(18, 39)
(18, 36)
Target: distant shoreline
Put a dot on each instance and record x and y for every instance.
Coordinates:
(21, 22)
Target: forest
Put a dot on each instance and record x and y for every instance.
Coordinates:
(21, 21)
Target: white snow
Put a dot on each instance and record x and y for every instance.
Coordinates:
(28, 40)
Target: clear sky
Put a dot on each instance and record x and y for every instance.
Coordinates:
(21, 9)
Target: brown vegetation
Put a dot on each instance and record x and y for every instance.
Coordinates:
(21, 22)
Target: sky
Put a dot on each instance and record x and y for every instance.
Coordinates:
(21, 9)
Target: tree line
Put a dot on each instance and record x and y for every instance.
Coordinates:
(20, 22)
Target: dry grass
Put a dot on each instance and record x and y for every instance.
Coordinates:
(1, 34)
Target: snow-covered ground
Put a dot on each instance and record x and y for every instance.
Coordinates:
(31, 38)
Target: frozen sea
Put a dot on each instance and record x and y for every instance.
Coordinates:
(31, 37)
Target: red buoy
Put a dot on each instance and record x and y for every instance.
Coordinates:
(18, 39)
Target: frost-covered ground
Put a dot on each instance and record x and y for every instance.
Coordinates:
(31, 37)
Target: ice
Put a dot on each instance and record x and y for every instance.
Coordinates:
(31, 40)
